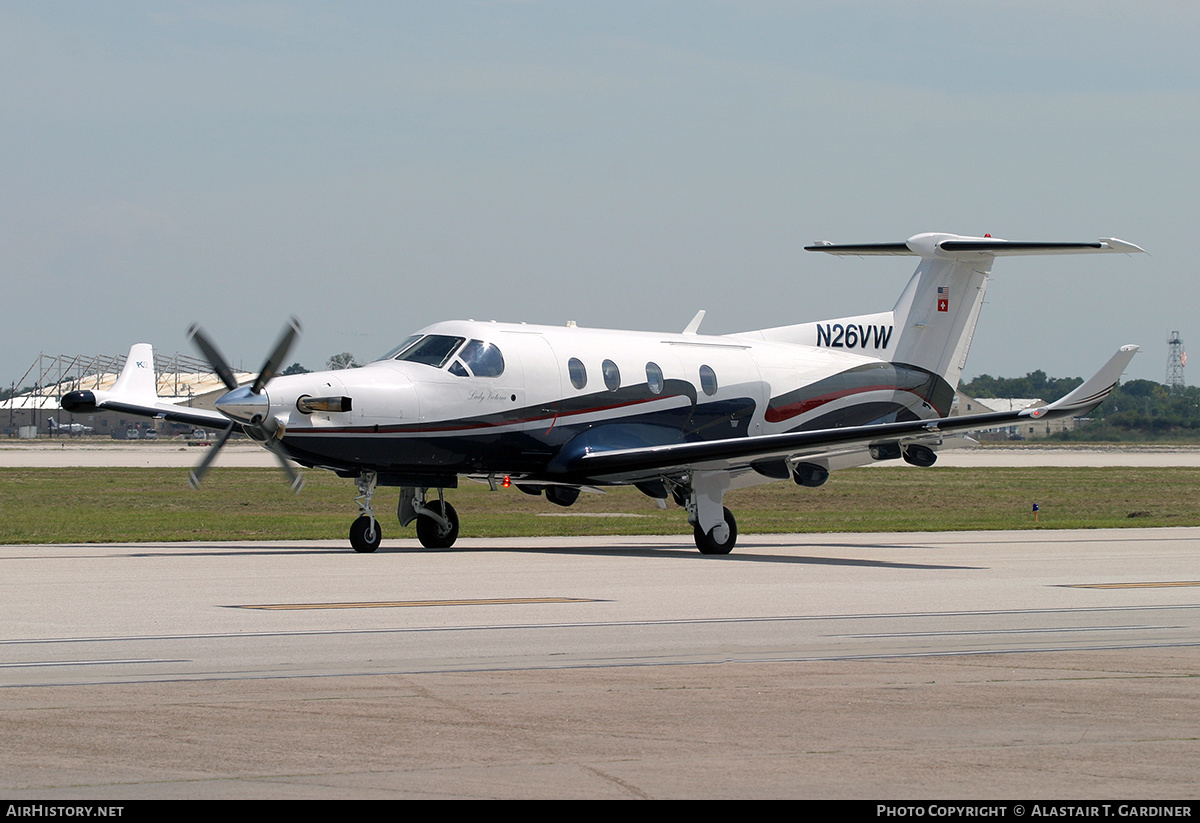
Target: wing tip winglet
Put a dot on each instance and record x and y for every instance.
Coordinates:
(1092, 392)
(1116, 245)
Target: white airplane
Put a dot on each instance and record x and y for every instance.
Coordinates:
(68, 428)
(687, 416)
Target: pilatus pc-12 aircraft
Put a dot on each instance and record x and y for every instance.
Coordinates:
(687, 416)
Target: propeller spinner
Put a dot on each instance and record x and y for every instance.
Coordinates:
(247, 407)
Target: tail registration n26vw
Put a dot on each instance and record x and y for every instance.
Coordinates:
(556, 410)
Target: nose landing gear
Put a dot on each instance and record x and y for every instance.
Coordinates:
(365, 534)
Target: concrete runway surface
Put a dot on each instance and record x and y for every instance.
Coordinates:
(1011, 665)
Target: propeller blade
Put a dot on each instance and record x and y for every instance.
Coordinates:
(276, 357)
(294, 477)
(213, 356)
(250, 405)
(198, 473)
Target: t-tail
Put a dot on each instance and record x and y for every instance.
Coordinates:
(931, 325)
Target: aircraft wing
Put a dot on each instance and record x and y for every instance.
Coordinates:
(86, 402)
(625, 464)
(135, 392)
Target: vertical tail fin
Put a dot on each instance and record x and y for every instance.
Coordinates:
(936, 314)
(137, 379)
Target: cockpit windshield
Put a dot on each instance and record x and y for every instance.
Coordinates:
(483, 359)
(431, 349)
(396, 352)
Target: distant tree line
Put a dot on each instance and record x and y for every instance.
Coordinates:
(1137, 410)
(344, 360)
(1033, 385)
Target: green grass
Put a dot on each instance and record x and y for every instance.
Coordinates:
(78, 505)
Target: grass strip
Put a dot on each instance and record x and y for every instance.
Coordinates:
(89, 505)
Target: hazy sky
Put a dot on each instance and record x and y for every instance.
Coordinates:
(376, 166)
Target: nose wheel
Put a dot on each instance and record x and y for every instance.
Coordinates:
(365, 534)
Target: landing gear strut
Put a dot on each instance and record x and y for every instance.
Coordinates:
(365, 533)
(713, 525)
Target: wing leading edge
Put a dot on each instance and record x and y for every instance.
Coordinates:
(621, 464)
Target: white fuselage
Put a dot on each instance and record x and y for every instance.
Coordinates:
(564, 387)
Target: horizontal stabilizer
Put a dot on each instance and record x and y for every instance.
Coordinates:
(860, 249)
(953, 245)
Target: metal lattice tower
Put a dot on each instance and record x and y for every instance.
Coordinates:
(1176, 360)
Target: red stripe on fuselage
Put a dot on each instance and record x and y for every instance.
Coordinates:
(778, 414)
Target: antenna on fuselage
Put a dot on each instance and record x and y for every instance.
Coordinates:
(695, 324)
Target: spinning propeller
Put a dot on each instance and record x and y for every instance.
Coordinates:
(247, 406)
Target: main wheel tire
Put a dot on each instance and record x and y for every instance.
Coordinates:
(432, 534)
(365, 534)
(708, 545)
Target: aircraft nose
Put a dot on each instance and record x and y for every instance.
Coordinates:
(244, 406)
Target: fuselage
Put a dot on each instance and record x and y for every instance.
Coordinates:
(468, 397)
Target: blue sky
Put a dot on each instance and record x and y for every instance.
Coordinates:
(374, 167)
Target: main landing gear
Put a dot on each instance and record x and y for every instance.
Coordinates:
(437, 522)
(720, 538)
(713, 526)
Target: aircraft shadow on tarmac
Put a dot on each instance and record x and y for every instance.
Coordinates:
(681, 552)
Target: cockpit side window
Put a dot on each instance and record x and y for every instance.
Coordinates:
(432, 350)
(483, 359)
